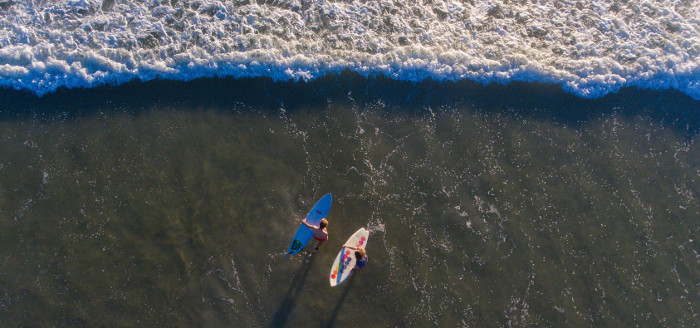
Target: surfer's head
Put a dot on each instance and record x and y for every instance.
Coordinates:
(359, 253)
(323, 224)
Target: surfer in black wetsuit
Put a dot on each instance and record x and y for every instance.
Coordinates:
(320, 231)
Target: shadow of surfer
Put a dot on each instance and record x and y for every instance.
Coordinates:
(343, 296)
(279, 319)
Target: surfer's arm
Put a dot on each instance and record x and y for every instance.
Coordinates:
(348, 246)
(309, 225)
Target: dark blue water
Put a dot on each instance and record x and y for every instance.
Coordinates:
(173, 204)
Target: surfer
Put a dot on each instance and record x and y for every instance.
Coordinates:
(320, 231)
(360, 257)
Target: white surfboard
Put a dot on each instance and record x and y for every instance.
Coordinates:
(345, 261)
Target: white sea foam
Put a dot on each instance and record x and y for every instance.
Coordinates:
(591, 47)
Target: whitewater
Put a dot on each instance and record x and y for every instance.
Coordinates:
(590, 48)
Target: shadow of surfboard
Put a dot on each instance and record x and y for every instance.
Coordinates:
(346, 291)
(279, 319)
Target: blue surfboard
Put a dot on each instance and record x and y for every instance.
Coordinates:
(304, 233)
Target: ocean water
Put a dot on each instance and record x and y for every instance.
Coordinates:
(517, 163)
(590, 48)
(173, 204)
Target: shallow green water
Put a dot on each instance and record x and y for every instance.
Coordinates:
(482, 213)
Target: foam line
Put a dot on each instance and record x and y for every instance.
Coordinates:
(590, 49)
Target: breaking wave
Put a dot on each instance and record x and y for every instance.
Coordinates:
(590, 48)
